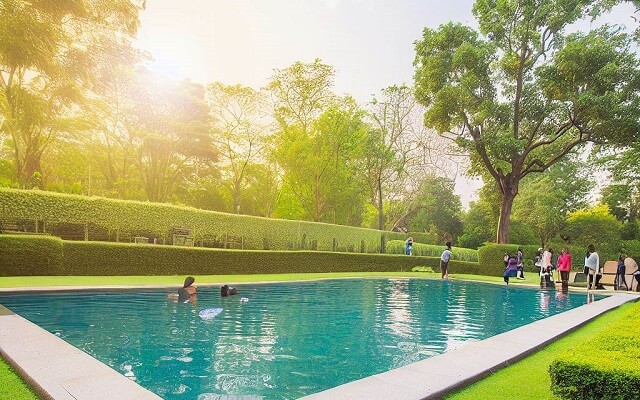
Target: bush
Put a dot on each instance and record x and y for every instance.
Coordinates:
(605, 367)
(44, 255)
(116, 220)
(31, 255)
(431, 250)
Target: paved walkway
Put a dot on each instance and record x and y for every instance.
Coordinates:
(436, 376)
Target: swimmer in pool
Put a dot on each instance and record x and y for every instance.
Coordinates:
(186, 293)
(228, 291)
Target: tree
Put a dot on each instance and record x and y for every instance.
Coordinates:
(302, 92)
(479, 223)
(388, 145)
(595, 226)
(317, 145)
(549, 197)
(319, 164)
(439, 210)
(47, 54)
(172, 135)
(239, 115)
(526, 96)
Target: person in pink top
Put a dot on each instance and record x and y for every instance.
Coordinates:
(564, 266)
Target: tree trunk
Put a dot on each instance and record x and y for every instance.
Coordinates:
(504, 221)
(380, 207)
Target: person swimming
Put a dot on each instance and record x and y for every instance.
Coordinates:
(186, 293)
(225, 291)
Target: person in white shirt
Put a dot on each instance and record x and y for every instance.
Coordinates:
(592, 261)
(444, 260)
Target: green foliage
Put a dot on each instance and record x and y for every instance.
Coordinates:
(481, 219)
(430, 250)
(521, 94)
(31, 255)
(631, 248)
(603, 367)
(12, 386)
(124, 219)
(521, 232)
(547, 198)
(440, 210)
(594, 226)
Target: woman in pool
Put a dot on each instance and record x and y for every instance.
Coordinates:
(186, 292)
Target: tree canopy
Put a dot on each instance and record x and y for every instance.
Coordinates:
(521, 93)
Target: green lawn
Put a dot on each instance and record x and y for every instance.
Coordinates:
(40, 281)
(11, 386)
(527, 379)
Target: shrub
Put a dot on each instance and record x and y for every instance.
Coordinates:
(31, 255)
(431, 250)
(604, 367)
(45, 255)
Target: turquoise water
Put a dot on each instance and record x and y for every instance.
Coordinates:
(289, 339)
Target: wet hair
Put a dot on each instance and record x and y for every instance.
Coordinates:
(224, 291)
(188, 281)
(182, 295)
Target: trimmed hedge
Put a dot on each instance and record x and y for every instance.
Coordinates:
(604, 367)
(432, 250)
(120, 220)
(31, 255)
(102, 258)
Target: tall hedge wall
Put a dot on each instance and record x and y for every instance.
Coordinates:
(606, 366)
(431, 250)
(119, 220)
(103, 258)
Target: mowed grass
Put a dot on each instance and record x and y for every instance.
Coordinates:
(176, 280)
(12, 386)
(529, 378)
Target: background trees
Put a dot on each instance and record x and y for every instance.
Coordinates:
(518, 99)
(521, 99)
(48, 54)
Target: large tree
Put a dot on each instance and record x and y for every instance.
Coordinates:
(239, 114)
(48, 52)
(389, 144)
(521, 94)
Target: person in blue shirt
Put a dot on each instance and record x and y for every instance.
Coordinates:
(444, 260)
(408, 245)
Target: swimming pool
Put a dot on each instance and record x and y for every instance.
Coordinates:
(290, 339)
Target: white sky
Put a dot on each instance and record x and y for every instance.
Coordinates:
(369, 42)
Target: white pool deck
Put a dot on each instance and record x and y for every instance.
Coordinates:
(57, 370)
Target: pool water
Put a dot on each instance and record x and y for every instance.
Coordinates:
(290, 339)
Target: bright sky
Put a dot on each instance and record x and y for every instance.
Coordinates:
(369, 42)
